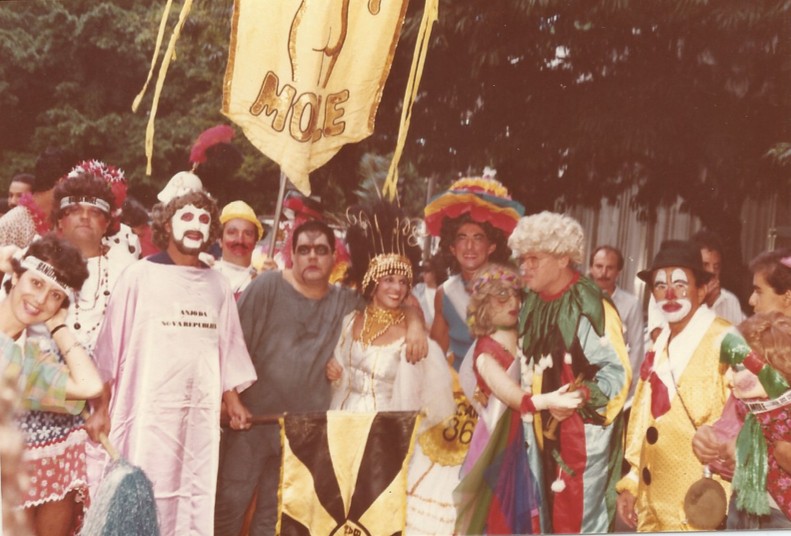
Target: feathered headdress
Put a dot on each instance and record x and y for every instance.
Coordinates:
(382, 241)
(214, 158)
(112, 175)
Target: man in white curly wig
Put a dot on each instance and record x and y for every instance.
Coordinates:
(572, 339)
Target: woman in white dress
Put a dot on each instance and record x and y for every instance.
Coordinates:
(370, 371)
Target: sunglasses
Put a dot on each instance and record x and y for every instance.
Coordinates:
(503, 295)
(320, 249)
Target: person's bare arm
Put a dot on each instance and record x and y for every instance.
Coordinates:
(84, 381)
(99, 420)
(416, 335)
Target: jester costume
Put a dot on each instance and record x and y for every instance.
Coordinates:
(682, 386)
(576, 337)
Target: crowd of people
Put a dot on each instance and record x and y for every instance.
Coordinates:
(551, 400)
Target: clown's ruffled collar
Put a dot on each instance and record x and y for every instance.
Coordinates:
(547, 321)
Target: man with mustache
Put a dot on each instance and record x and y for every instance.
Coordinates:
(681, 387)
(239, 233)
(606, 263)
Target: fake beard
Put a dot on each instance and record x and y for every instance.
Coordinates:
(189, 246)
(675, 316)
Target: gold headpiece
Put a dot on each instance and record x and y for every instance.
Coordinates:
(387, 237)
(387, 264)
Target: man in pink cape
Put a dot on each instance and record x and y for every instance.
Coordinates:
(170, 350)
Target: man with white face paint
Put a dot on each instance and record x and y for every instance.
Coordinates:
(171, 350)
(681, 387)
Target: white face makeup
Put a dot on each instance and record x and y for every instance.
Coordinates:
(191, 226)
(672, 297)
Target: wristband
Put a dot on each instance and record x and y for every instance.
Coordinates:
(527, 406)
(55, 329)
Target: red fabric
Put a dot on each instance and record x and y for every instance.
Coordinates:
(551, 297)
(208, 138)
(776, 427)
(487, 345)
(660, 400)
(527, 406)
(568, 504)
(753, 363)
(147, 246)
(478, 213)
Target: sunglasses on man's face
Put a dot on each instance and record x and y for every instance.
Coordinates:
(319, 249)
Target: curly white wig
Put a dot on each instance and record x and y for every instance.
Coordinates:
(549, 232)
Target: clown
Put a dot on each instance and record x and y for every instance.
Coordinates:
(170, 351)
(682, 387)
(571, 335)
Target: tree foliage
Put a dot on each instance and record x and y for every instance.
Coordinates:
(579, 100)
(72, 68)
(570, 100)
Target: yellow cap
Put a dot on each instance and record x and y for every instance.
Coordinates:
(243, 211)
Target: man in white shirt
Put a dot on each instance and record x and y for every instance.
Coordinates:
(723, 302)
(606, 263)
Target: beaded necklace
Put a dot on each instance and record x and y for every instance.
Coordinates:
(103, 282)
(376, 321)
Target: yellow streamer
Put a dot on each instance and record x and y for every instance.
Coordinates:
(160, 36)
(430, 16)
(170, 53)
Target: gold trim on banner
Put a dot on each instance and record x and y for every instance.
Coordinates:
(388, 66)
(227, 81)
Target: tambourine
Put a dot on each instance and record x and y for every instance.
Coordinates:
(705, 503)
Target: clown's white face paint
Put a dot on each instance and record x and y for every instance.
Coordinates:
(672, 297)
(191, 227)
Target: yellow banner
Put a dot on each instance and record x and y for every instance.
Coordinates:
(305, 77)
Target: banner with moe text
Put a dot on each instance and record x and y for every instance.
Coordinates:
(305, 77)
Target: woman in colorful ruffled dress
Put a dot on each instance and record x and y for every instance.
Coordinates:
(39, 292)
(370, 371)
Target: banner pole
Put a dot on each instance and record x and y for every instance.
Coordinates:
(278, 212)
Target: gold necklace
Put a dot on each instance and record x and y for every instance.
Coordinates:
(376, 321)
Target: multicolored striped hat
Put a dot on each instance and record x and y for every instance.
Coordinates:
(484, 199)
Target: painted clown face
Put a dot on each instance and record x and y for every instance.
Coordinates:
(676, 293)
(190, 226)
